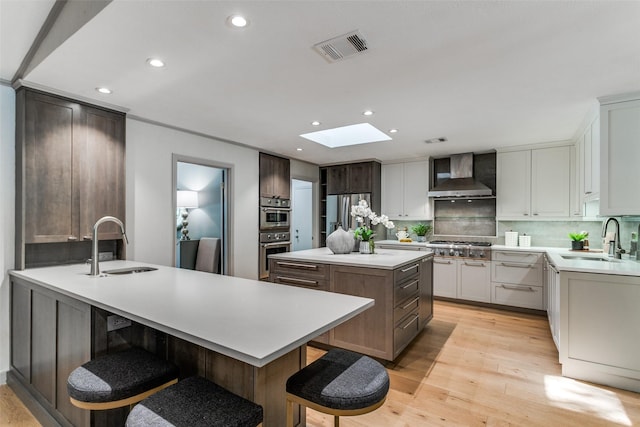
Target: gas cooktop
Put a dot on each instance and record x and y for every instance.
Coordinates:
(458, 242)
(461, 249)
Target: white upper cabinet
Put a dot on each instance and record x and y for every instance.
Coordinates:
(591, 161)
(620, 156)
(404, 191)
(534, 183)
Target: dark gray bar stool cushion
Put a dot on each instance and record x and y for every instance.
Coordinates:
(341, 379)
(195, 402)
(119, 376)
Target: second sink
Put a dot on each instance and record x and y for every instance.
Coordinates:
(130, 270)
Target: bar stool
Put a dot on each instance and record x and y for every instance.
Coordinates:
(340, 383)
(119, 379)
(195, 402)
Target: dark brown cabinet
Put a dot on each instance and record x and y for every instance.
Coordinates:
(70, 171)
(50, 337)
(275, 177)
(352, 178)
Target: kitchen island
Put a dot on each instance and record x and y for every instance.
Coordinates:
(400, 282)
(245, 335)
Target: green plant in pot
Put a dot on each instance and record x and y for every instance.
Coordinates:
(577, 240)
(421, 231)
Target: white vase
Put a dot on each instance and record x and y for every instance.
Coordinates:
(365, 247)
(340, 241)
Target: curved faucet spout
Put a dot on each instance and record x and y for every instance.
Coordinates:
(95, 266)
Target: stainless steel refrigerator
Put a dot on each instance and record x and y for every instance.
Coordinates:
(339, 210)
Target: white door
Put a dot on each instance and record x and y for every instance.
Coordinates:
(302, 213)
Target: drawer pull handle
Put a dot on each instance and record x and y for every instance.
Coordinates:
(409, 268)
(471, 264)
(410, 322)
(519, 288)
(410, 303)
(408, 285)
(441, 262)
(296, 281)
(72, 238)
(298, 266)
(524, 255)
(517, 265)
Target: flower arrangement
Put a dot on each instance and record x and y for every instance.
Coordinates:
(362, 212)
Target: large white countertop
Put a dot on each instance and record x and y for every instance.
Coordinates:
(254, 322)
(386, 259)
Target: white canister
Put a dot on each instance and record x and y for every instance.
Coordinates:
(511, 238)
(524, 241)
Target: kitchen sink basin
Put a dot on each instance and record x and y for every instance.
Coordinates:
(587, 258)
(130, 270)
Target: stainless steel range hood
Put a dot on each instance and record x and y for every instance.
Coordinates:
(461, 182)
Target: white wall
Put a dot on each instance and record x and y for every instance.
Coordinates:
(150, 210)
(7, 216)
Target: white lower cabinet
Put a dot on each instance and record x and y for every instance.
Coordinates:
(517, 279)
(474, 280)
(462, 279)
(444, 277)
(553, 302)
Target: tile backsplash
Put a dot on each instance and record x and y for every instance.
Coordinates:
(543, 233)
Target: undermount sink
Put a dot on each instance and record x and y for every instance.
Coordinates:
(587, 258)
(130, 270)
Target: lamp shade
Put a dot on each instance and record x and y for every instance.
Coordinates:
(187, 199)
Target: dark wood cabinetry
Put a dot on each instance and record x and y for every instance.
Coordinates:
(352, 178)
(50, 337)
(70, 171)
(275, 176)
(403, 301)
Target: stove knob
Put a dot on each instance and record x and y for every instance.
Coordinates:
(481, 254)
(451, 253)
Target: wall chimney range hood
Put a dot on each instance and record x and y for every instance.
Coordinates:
(459, 181)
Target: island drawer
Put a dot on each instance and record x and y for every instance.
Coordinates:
(403, 273)
(303, 282)
(405, 332)
(402, 309)
(299, 268)
(406, 289)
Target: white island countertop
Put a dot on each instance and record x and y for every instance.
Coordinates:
(251, 321)
(386, 259)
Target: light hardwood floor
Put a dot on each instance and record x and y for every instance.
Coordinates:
(471, 366)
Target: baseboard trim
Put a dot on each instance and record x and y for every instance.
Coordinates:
(3, 377)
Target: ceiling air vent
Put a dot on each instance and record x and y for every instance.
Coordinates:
(342, 47)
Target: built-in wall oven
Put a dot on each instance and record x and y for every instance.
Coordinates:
(270, 244)
(274, 213)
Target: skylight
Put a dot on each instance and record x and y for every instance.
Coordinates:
(362, 133)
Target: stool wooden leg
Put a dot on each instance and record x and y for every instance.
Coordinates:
(289, 413)
(336, 421)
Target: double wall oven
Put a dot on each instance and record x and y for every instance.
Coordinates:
(275, 236)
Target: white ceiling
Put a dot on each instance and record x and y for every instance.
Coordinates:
(484, 74)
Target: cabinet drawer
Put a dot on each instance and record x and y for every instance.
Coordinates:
(518, 295)
(299, 268)
(405, 272)
(406, 289)
(517, 273)
(405, 307)
(302, 282)
(516, 256)
(405, 332)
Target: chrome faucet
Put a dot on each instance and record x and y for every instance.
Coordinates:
(95, 266)
(616, 250)
(637, 251)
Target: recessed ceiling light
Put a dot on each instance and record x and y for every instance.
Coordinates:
(393, 130)
(298, 149)
(434, 140)
(104, 90)
(368, 113)
(315, 123)
(155, 62)
(237, 21)
(362, 133)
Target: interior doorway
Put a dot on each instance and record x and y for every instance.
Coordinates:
(201, 211)
(302, 215)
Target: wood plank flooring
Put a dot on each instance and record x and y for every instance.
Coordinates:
(471, 366)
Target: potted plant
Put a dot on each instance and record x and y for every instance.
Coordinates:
(421, 231)
(577, 240)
